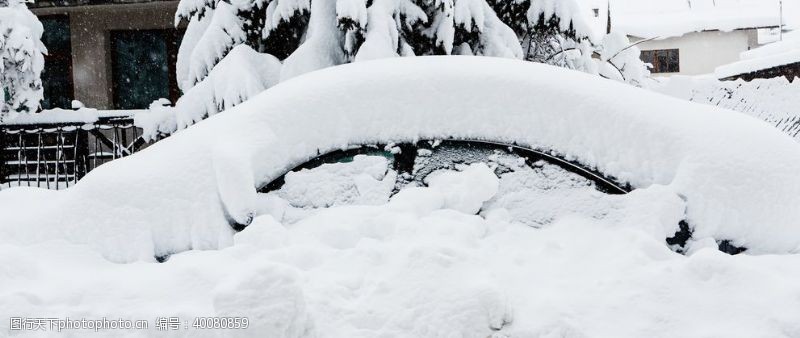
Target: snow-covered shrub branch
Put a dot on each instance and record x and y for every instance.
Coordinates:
(619, 60)
(21, 59)
(558, 32)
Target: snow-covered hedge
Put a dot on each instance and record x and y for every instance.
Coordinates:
(21, 59)
(737, 175)
(776, 100)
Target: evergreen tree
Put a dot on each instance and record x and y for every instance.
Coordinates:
(335, 30)
(306, 35)
(21, 59)
(309, 35)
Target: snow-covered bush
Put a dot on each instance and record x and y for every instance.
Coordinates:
(21, 59)
(159, 119)
(619, 60)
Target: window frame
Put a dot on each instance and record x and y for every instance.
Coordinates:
(405, 159)
(652, 56)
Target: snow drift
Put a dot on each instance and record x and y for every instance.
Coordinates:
(737, 175)
(411, 268)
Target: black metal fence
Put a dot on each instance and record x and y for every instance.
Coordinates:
(56, 156)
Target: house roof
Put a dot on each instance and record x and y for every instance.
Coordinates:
(776, 54)
(669, 18)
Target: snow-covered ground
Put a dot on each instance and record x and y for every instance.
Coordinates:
(533, 252)
(421, 266)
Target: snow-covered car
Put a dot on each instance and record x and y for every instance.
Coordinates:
(202, 182)
(340, 202)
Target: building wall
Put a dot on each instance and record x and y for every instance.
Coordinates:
(702, 52)
(90, 28)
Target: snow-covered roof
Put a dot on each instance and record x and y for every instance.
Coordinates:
(669, 18)
(776, 54)
(738, 175)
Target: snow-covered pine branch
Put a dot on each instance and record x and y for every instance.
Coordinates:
(21, 59)
(215, 27)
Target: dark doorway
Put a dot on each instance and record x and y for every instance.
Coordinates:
(57, 74)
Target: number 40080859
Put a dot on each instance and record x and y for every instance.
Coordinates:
(220, 323)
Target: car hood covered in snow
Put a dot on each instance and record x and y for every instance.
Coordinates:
(737, 175)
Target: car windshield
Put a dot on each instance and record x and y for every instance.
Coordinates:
(533, 190)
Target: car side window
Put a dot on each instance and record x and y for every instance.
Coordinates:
(535, 187)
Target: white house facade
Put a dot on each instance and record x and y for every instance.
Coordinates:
(690, 37)
(696, 53)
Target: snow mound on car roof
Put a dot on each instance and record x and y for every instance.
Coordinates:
(738, 175)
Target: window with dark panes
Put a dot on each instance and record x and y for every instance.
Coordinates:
(143, 66)
(57, 73)
(662, 60)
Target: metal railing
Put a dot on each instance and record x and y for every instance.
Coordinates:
(57, 155)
